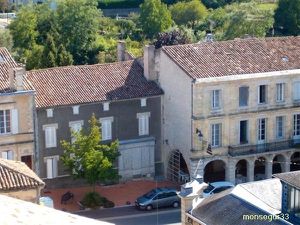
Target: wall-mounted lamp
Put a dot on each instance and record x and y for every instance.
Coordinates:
(200, 135)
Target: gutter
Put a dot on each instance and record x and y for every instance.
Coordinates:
(31, 92)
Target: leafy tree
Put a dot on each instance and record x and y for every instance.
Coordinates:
(87, 158)
(49, 53)
(287, 17)
(78, 20)
(220, 3)
(238, 20)
(32, 57)
(6, 39)
(64, 58)
(4, 5)
(154, 17)
(24, 33)
(187, 13)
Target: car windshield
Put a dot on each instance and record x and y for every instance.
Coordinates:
(209, 189)
(150, 194)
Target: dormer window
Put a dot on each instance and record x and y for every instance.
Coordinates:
(49, 113)
(106, 106)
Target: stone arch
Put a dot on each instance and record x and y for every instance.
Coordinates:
(278, 164)
(260, 168)
(215, 170)
(241, 172)
(295, 161)
(177, 169)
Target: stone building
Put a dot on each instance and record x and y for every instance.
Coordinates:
(231, 108)
(16, 112)
(17, 180)
(128, 107)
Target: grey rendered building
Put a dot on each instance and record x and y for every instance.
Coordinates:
(127, 104)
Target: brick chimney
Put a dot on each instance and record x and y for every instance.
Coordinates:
(121, 48)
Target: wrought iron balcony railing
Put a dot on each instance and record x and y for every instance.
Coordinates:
(262, 148)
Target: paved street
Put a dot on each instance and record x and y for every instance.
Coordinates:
(132, 216)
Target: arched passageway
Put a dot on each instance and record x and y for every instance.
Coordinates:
(241, 171)
(215, 171)
(260, 169)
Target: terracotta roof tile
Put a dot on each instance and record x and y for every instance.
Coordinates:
(239, 56)
(90, 83)
(16, 175)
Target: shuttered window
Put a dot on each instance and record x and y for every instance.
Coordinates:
(106, 128)
(143, 120)
(50, 135)
(51, 164)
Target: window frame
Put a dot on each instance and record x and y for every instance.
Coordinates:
(7, 122)
(240, 88)
(216, 137)
(262, 127)
(106, 128)
(296, 93)
(277, 126)
(54, 135)
(280, 92)
(247, 132)
(215, 96)
(143, 123)
(265, 96)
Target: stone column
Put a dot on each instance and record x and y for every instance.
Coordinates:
(268, 168)
(286, 166)
(230, 171)
(250, 170)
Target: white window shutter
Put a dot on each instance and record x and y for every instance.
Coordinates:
(50, 168)
(146, 126)
(141, 125)
(10, 155)
(15, 121)
(108, 127)
(4, 155)
(54, 164)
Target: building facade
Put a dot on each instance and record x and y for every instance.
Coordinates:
(125, 102)
(16, 112)
(236, 109)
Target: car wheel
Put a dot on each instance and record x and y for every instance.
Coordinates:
(149, 207)
(175, 204)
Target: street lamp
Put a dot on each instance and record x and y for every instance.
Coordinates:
(203, 142)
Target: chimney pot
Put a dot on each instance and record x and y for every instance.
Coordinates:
(149, 62)
(19, 76)
(121, 48)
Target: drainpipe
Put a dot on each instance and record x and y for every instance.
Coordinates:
(36, 144)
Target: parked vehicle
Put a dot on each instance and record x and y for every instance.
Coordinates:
(159, 197)
(216, 187)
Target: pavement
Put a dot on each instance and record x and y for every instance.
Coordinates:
(123, 194)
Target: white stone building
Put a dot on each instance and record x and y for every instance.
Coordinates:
(239, 98)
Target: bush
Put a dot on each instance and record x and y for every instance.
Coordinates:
(94, 200)
(119, 4)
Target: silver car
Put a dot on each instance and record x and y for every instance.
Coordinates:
(159, 197)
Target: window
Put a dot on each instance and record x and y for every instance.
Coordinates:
(50, 135)
(279, 127)
(75, 127)
(293, 200)
(215, 99)
(106, 106)
(262, 94)
(262, 130)
(7, 155)
(216, 130)
(243, 132)
(75, 109)
(49, 112)
(296, 91)
(297, 126)
(243, 96)
(106, 128)
(280, 92)
(143, 123)
(143, 102)
(51, 164)
(5, 121)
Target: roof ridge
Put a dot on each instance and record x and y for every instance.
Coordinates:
(80, 66)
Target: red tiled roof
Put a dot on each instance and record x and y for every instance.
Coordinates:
(239, 56)
(16, 175)
(90, 83)
(6, 62)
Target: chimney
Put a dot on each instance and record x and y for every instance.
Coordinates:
(11, 77)
(191, 195)
(149, 62)
(121, 48)
(19, 76)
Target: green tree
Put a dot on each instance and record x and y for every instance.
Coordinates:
(287, 17)
(154, 17)
(78, 20)
(6, 39)
(187, 13)
(49, 53)
(88, 158)
(24, 33)
(4, 5)
(64, 58)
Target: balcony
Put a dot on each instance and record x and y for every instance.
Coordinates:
(262, 148)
